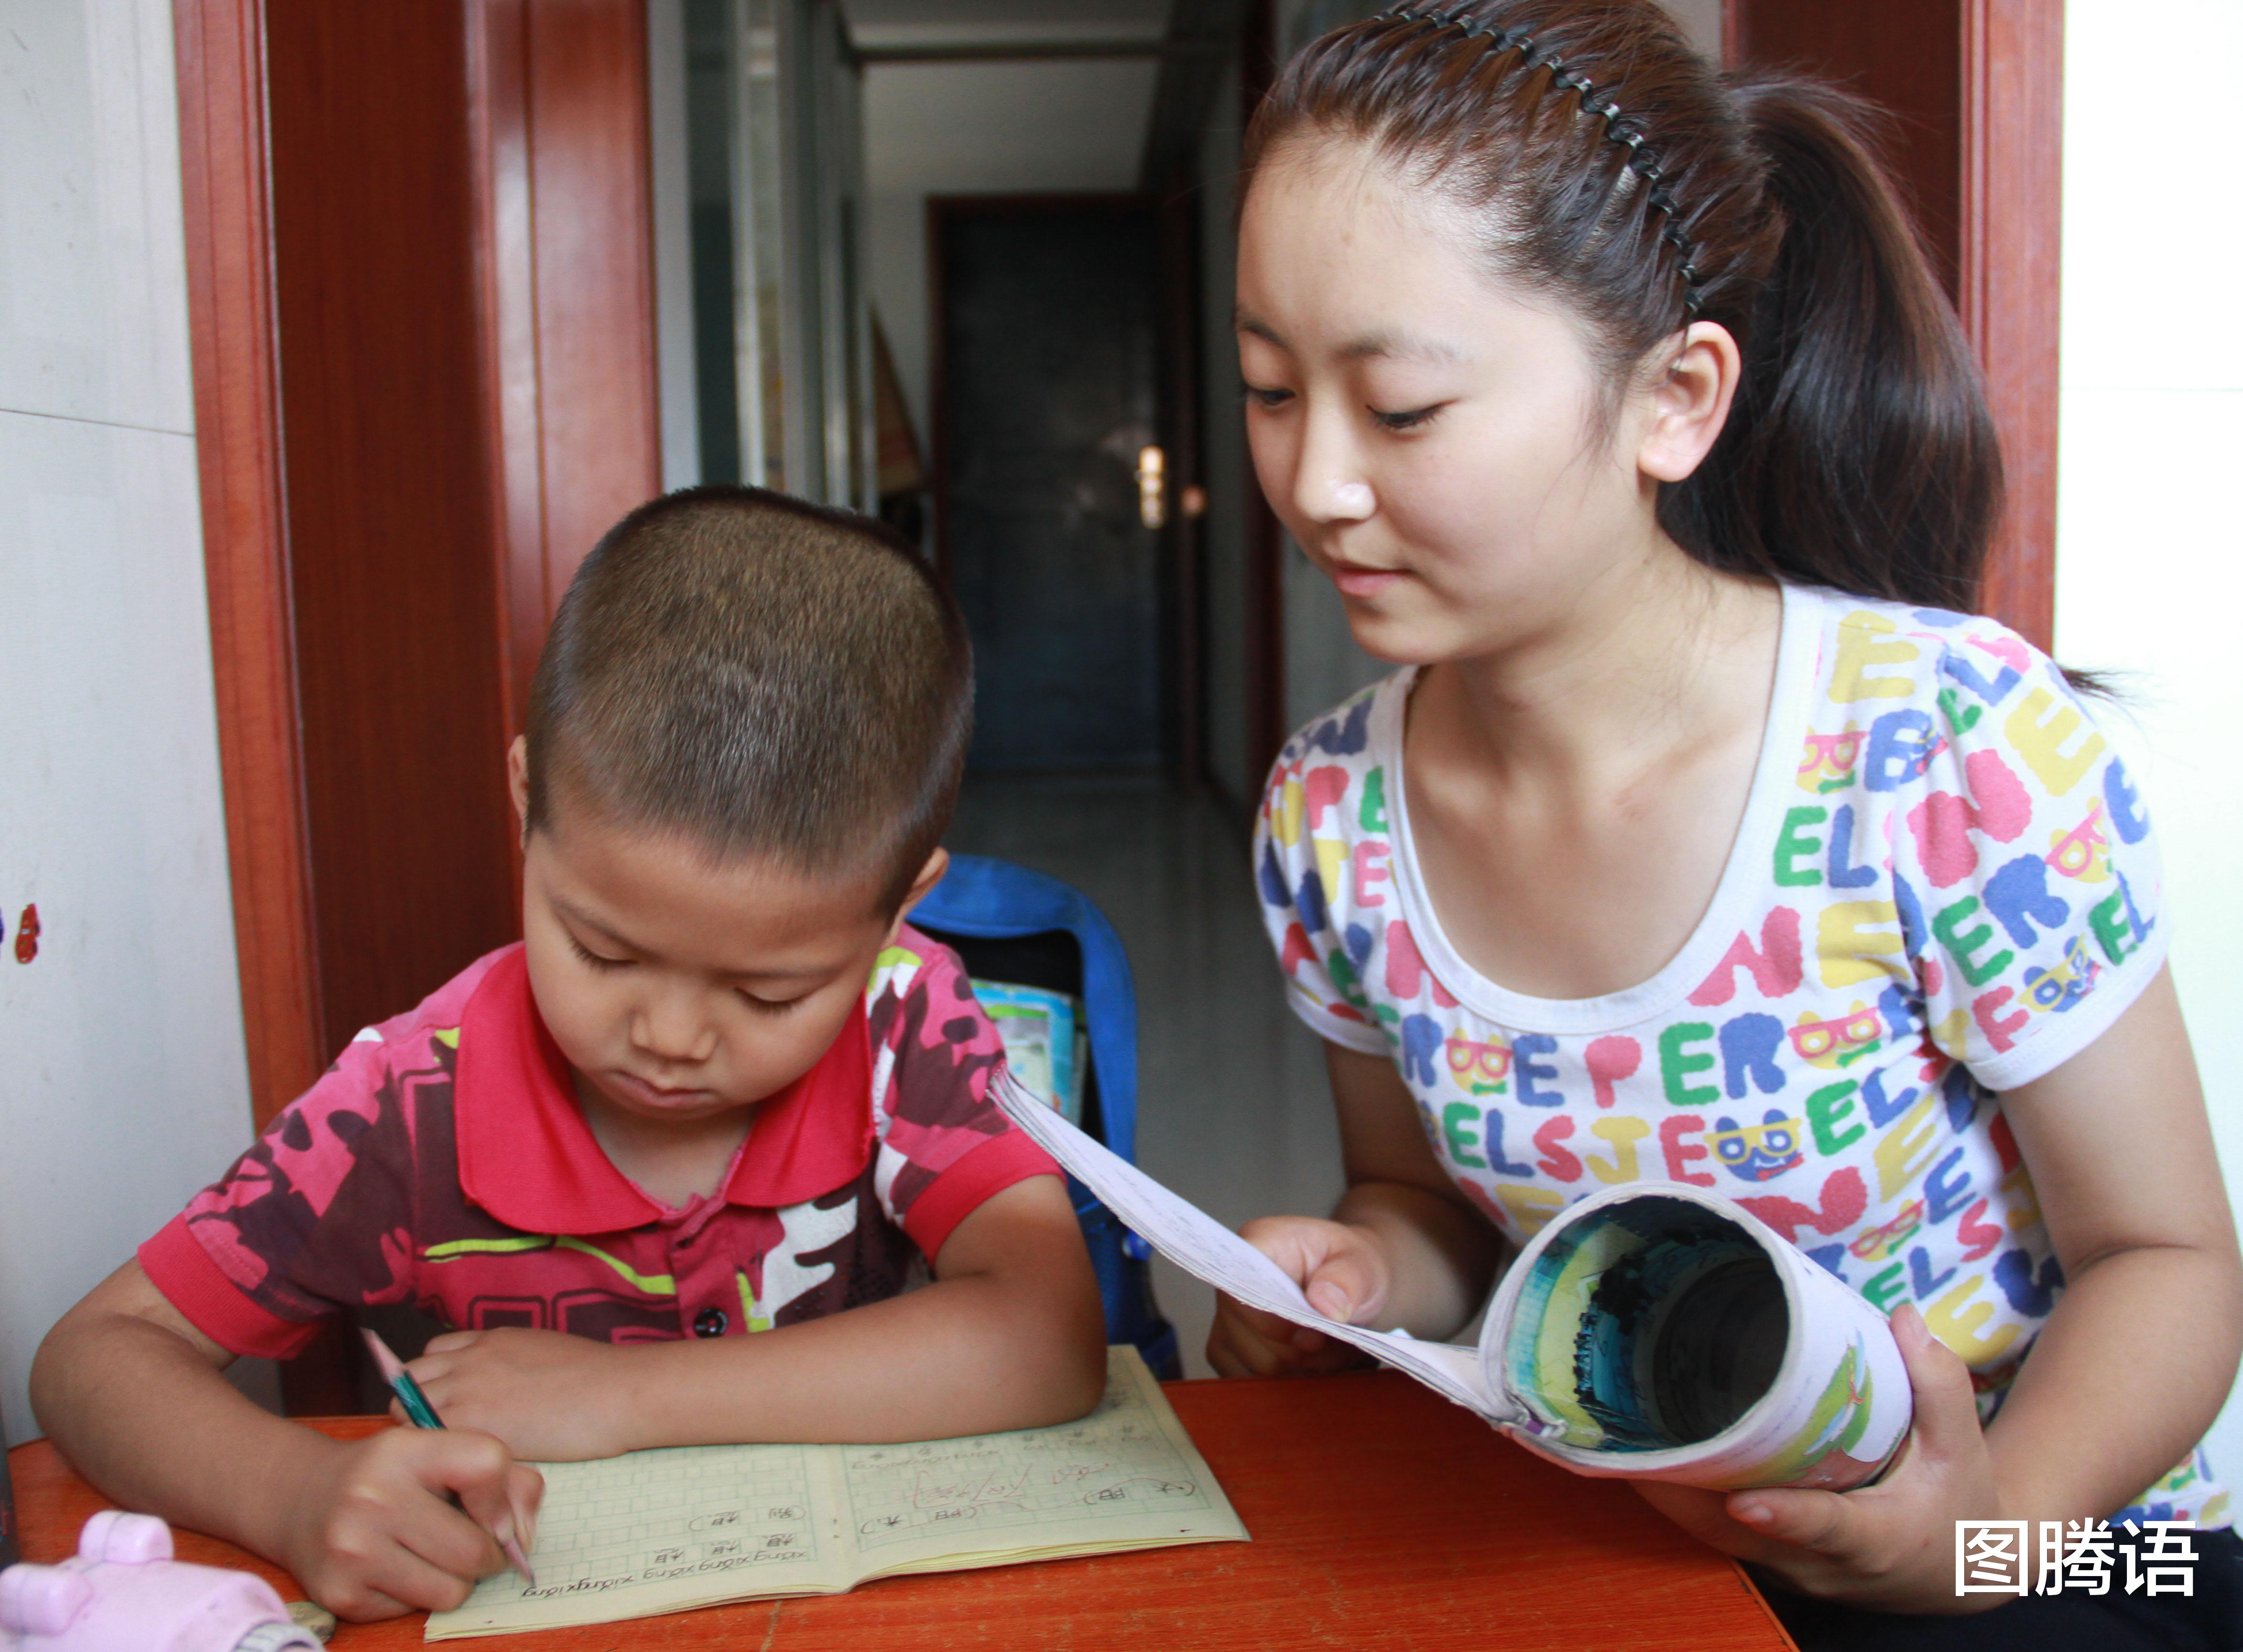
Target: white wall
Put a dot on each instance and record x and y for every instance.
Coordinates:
(2150, 545)
(983, 128)
(123, 1085)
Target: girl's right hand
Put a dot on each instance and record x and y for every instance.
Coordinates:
(372, 1532)
(1343, 1272)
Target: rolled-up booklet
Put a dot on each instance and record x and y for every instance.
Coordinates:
(1653, 1330)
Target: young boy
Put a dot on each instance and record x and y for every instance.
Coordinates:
(674, 1115)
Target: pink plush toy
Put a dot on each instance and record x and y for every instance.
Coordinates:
(124, 1593)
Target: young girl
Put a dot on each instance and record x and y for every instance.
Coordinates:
(1704, 835)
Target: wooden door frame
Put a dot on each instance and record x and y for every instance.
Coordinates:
(564, 396)
(245, 559)
(2012, 293)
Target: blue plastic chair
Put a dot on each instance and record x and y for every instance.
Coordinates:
(982, 903)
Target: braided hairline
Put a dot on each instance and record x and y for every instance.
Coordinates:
(1618, 128)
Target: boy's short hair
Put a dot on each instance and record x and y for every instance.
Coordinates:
(764, 675)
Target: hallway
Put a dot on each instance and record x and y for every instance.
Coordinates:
(1232, 1111)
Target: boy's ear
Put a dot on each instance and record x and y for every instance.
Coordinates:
(922, 886)
(517, 779)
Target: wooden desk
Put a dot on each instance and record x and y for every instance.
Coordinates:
(1382, 1516)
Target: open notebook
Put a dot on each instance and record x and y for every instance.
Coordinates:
(666, 1531)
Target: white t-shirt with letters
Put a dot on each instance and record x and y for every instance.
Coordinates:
(1944, 885)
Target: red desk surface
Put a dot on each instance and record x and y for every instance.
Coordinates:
(1382, 1517)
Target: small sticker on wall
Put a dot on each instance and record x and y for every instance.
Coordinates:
(27, 935)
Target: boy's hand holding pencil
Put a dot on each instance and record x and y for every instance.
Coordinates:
(403, 1520)
(514, 1528)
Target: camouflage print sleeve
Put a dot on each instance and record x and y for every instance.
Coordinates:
(316, 1216)
(945, 1146)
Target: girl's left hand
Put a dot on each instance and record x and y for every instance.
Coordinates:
(1890, 1546)
(551, 1397)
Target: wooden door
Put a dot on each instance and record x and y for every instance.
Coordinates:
(1976, 87)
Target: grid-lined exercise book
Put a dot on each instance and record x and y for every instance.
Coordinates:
(667, 1531)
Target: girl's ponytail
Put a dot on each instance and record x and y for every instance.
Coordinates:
(1859, 452)
(1614, 169)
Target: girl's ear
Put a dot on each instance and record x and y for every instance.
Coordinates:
(1690, 401)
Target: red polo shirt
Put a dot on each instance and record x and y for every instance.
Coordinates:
(443, 1160)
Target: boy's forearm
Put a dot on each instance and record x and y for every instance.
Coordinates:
(147, 1418)
(962, 1356)
(2087, 1427)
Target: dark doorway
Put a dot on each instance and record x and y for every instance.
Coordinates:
(1046, 404)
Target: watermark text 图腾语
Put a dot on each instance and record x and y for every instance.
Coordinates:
(2080, 1557)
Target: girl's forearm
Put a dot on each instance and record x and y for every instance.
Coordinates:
(1441, 1258)
(2132, 1367)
